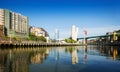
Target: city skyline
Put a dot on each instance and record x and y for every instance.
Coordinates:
(95, 16)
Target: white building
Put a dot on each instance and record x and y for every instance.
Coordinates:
(74, 32)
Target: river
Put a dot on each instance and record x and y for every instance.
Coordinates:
(89, 58)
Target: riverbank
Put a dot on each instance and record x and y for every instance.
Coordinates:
(37, 44)
(12, 45)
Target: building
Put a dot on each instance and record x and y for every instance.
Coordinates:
(1, 31)
(113, 36)
(14, 24)
(1, 23)
(74, 32)
(38, 31)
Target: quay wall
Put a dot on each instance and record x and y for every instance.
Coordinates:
(36, 44)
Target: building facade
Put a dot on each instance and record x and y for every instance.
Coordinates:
(74, 32)
(39, 31)
(1, 23)
(14, 24)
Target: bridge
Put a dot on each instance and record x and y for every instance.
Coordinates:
(94, 37)
(101, 36)
(111, 39)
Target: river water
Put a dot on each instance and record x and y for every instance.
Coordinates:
(61, 59)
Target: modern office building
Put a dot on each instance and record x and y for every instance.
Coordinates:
(74, 32)
(14, 24)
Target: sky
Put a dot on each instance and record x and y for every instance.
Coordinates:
(95, 16)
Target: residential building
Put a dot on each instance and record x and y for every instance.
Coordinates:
(38, 31)
(1, 23)
(14, 24)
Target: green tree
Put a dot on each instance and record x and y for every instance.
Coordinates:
(69, 40)
(41, 38)
(32, 37)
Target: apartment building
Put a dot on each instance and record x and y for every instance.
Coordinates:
(14, 24)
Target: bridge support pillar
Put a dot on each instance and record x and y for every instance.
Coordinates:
(85, 40)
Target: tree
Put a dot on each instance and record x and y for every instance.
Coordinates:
(32, 37)
(69, 40)
(41, 38)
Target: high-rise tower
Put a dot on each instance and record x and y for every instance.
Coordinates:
(74, 32)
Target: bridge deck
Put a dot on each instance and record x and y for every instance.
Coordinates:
(95, 37)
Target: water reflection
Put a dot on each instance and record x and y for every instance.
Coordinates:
(74, 56)
(73, 52)
(85, 54)
(21, 59)
(18, 60)
(112, 52)
(57, 54)
(39, 56)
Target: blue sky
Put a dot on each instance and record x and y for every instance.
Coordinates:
(95, 16)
